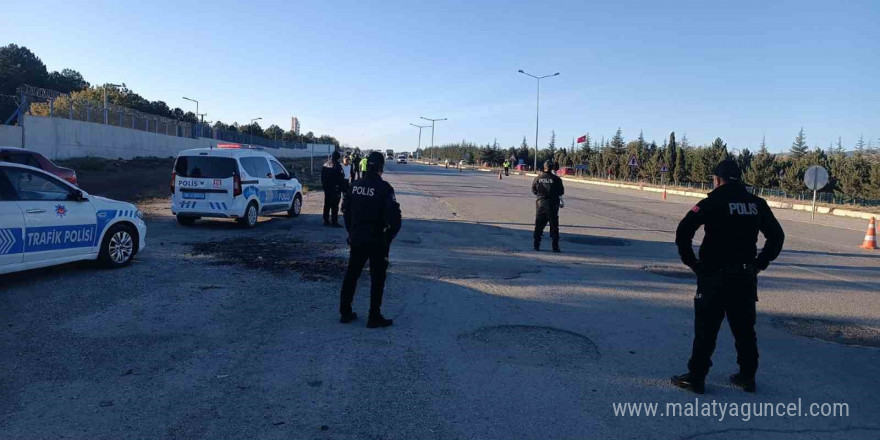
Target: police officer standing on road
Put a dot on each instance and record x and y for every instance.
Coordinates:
(548, 187)
(355, 167)
(727, 272)
(506, 167)
(333, 180)
(372, 218)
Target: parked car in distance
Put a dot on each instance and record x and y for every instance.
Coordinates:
(565, 171)
(33, 159)
(401, 159)
(521, 167)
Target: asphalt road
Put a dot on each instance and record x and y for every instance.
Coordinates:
(216, 332)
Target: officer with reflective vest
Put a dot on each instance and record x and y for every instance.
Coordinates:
(506, 167)
(372, 218)
(548, 187)
(727, 270)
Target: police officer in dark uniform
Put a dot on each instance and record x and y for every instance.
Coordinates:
(372, 218)
(548, 187)
(355, 167)
(727, 272)
(333, 181)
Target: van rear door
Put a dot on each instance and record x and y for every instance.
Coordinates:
(204, 183)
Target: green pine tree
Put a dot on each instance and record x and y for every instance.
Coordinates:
(799, 146)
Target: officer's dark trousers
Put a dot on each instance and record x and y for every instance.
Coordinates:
(506, 171)
(547, 213)
(331, 207)
(378, 258)
(725, 293)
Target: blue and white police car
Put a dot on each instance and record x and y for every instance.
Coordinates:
(232, 181)
(45, 221)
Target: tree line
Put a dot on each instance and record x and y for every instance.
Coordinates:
(20, 66)
(854, 173)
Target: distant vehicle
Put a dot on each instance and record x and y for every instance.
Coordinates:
(46, 221)
(231, 181)
(462, 163)
(565, 171)
(401, 159)
(36, 160)
(389, 154)
(521, 167)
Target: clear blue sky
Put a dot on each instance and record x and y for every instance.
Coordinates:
(362, 71)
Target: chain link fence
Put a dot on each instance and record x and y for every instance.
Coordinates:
(53, 104)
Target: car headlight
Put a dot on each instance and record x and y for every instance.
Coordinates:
(139, 214)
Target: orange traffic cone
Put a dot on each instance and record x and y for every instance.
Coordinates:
(664, 193)
(499, 175)
(870, 237)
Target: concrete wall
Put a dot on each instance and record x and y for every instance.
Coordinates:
(58, 138)
(10, 136)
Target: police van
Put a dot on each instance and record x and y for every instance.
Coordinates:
(45, 221)
(232, 181)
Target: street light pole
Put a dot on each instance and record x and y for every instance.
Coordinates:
(432, 134)
(250, 132)
(537, 110)
(197, 105)
(106, 115)
(420, 134)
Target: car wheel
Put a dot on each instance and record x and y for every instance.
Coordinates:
(118, 247)
(295, 206)
(186, 220)
(250, 216)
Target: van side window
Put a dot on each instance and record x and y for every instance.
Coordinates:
(279, 170)
(261, 166)
(249, 166)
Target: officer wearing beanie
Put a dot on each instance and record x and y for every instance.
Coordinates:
(372, 218)
(548, 187)
(727, 270)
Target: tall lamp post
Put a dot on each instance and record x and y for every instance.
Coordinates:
(537, 110)
(197, 105)
(420, 134)
(106, 114)
(251, 131)
(432, 134)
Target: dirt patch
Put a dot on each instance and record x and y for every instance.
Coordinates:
(533, 346)
(140, 179)
(832, 331)
(279, 255)
(130, 180)
(670, 271)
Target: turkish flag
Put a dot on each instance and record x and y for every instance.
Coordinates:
(582, 139)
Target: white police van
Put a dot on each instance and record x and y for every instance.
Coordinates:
(46, 221)
(231, 181)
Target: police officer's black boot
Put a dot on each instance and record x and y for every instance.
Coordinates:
(690, 382)
(743, 381)
(378, 321)
(556, 247)
(537, 245)
(345, 318)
